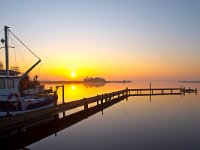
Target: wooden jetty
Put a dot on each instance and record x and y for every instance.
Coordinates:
(160, 91)
(52, 126)
(21, 121)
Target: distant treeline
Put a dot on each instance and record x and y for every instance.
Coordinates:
(190, 81)
(96, 79)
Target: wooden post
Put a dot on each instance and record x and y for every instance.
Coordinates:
(150, 88)
(63, 94)
(196, 91)
(85, 104)
(102, 99)
(181, 90)
(97, 102)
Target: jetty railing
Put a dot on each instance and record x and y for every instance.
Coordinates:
(99, 99)
(17, 122)
(154, 91)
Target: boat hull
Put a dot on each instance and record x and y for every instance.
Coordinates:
(27, 105)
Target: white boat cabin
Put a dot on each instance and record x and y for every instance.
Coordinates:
(9, 86)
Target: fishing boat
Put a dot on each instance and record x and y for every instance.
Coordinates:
(18, 94)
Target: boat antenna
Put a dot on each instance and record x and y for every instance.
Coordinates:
(24, 44)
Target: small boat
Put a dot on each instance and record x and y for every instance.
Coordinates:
(18, 94)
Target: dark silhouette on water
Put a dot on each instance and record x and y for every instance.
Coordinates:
(22, 138)
(94, 84)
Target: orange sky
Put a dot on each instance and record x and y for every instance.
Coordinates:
(129, 40)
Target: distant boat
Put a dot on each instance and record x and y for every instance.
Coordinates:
(17, 93)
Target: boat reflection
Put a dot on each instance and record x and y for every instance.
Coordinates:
(22, 138)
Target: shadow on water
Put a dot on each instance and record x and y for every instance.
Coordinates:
(94, 84)
(22, 138)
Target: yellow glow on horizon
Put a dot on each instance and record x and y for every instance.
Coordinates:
(77, 68)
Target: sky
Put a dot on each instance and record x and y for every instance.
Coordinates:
(114, 39)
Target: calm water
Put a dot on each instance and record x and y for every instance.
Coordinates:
(167, 122)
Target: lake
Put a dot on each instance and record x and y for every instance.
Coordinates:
(164, 122)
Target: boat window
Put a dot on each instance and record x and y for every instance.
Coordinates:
(2, 83)
(10, 83)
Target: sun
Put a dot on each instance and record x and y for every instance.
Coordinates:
(73, 74)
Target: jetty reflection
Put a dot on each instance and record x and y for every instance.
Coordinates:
(22, 138)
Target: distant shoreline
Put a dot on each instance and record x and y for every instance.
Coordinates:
(82, 82)
(189, 81)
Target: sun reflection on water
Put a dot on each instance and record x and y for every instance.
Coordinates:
(73, 87)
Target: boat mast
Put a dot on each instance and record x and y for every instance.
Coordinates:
(6, 50)
(7, 54)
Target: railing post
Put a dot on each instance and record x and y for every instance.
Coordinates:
(150, 88)
(85, 104)
(189, 90)
(102, 99)
(63, 94)
(196, 91)
(97, 100)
